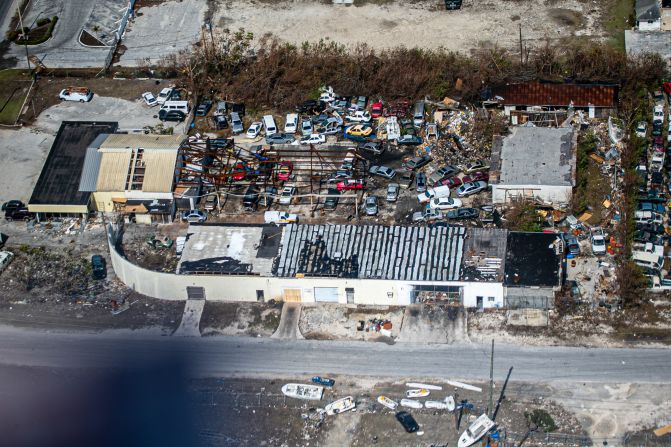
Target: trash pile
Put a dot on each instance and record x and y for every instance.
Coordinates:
(375, 325)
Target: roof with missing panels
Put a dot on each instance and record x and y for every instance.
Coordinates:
(558, 95)
(372, 252)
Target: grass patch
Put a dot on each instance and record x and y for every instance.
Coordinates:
(618, 16)
(12, 95)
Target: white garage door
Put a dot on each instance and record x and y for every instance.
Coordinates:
(328, 294)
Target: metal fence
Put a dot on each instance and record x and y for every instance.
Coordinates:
(527, 302)
(118, 34)
(545, 439)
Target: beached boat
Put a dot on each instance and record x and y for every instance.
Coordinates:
(302, 391)
(340, 405)
(436, 404)
(411, 403)
(465, 386)
(424, 385)
(476, 431)
(449, 400)
(391, 404)
(420, 392)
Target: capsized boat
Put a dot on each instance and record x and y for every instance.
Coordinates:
(391, 404)
(436, 404)
(340, 405)
(302, 391)
(419, 392)
(476, 430)
(424, 385)
(411, 403)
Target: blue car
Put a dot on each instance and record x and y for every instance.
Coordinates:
(323, 381)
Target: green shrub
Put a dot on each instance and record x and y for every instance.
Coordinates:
(43, 21)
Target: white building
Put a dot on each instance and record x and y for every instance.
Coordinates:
(534, 163)
(648, 15)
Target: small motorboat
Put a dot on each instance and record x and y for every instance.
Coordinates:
(476, 431)
(449, 400)
(411, 403)
(436, 404)
(340, 405)
(419, 392)
(302, 391)
(391, 404)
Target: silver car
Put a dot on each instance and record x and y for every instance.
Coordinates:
(236, 123)
(392, 192)
(382, 171)
(370, 206)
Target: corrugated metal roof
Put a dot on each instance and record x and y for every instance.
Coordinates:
(116, 142)
(113, 171)
(540, 94)
(372, 252)
(89, 178)
(159, 170)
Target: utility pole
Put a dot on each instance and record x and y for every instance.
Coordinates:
(521, 52)
(491, 380)
(25, 45)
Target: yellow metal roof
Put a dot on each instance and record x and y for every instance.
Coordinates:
(159, 170)
(121, 142)
(113, 171)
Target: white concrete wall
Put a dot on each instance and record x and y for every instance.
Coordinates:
(557, 194)
(654, 26)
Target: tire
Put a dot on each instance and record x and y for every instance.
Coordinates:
(8, 219)
(81, 100)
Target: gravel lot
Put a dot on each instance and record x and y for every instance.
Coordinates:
(419, 24)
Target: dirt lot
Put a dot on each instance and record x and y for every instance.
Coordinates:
(49, 285)
(252, 319)
(331, 322)
(417, 24)
(254, 412)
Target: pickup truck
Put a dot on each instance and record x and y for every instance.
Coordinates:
(279, 217)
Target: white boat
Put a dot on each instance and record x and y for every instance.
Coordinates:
(436, 404)
(424, 385)
(340, 405)
(475, 431)
(411, 403)
(449, 400)
(464, 386)
(391, 404)
(302, 391)
(420, 392)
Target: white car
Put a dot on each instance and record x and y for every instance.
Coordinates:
(287, 195)
(254, 129)
(149, 99)
(327, 94)
(306, 127)
(658, 114)
(598, 241)
(315, 138)
(641, 129)
(164, 95)
(444, 203)
(291, 123)
(360, 116)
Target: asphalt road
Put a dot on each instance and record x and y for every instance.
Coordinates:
(230, 356)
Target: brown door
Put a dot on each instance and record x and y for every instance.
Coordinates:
(292, 295)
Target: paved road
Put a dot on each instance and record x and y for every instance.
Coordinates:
(226, 356)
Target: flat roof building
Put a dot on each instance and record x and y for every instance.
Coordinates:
(534, 163)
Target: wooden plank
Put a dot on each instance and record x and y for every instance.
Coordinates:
(661, 431)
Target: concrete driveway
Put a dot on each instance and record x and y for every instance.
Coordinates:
(63, 49)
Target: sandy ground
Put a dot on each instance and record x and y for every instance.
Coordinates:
(25, 150)
(421, 24)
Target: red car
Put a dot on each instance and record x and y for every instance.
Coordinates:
(451, 182)
(239, 172)
(376, 110)
(476, 177)
(284, 171)
(349, 184)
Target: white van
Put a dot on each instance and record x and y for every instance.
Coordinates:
(182, 106)
(648, 260)
(269, 124)
(431, 193)
(291, 123)
(418, 113)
